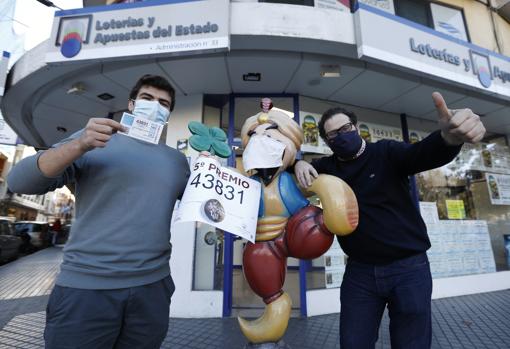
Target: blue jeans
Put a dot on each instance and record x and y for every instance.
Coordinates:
(127, 318)
(404, 286)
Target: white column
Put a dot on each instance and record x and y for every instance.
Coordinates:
(185, 301)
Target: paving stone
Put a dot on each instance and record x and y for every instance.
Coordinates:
(474, 322)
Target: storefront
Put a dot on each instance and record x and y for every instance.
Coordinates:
(307, 59)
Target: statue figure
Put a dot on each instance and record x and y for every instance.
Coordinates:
(288, 225)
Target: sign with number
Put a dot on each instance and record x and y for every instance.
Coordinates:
(374, 132)
(222, 198)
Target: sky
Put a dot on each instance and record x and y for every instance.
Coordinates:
(35, 20)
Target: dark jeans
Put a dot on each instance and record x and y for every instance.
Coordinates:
(404, 286)
(127, 318)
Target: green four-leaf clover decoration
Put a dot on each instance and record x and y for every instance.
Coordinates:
(211, 139)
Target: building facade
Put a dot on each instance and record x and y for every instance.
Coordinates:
(381, 59)
(46, 208)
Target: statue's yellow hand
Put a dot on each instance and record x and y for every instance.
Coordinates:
(338, 202)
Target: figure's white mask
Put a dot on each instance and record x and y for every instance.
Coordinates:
(263, 152)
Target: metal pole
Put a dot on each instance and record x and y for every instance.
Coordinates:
(228, 238)
(303, 265)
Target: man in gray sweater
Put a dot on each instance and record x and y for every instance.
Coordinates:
(114, 287)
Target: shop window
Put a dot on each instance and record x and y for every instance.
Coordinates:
(443, 18)
(209, 247)
(414, 10)
(208, 263)
(466, 206)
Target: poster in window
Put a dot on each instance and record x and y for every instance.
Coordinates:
(333, 277)
(312, 143)
(182, 145)
(449, 21)
(334, 266)
(500, 159)
(334, 258)
(499, 188)
(428, 211)
(372, 133)
(455, 209)
(486, 157)
(460, 248)
(416, 136)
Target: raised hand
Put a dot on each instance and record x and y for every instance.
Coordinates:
(458, 125)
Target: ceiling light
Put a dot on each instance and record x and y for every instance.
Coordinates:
(251, 77)
(105, 96)
(330, 71)
(76, 89)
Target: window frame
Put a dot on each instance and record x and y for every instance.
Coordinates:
(430, 18)
(460, 9)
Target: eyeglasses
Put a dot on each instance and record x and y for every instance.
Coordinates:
(148, 97)
(344, 129)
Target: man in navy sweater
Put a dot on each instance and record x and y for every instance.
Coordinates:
(387, 264)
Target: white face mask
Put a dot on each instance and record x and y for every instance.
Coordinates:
(151, 110)
(263, 152)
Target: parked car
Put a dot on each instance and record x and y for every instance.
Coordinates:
(39, 232)
(10, 244)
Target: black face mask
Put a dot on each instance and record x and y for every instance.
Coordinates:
(346, 145)
(267, 174)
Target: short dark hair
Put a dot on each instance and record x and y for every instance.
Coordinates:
(156, 81)
(328, 114)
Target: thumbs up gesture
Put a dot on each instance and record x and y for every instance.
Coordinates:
(458, 125)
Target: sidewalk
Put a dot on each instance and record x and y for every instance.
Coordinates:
(477, 321)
